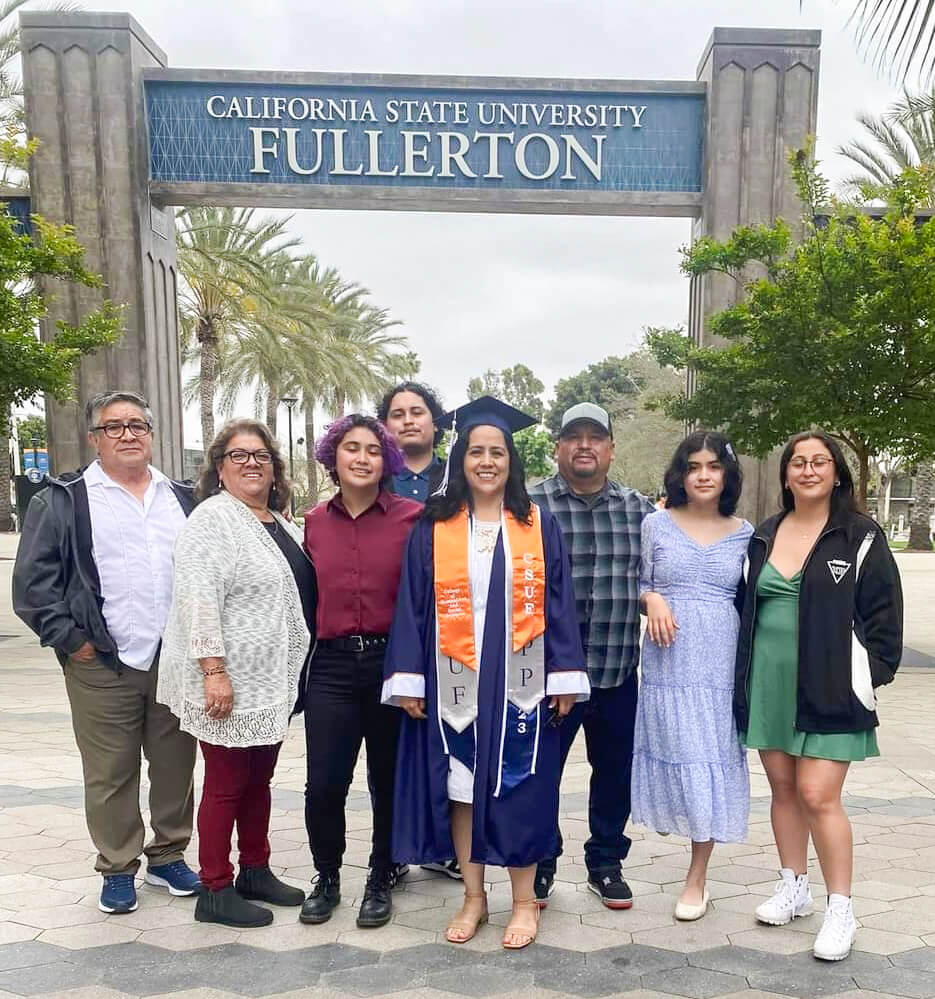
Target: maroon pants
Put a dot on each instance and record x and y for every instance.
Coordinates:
(236, 790)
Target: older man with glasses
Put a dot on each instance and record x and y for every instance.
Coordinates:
(93, 579)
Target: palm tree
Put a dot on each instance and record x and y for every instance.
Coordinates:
(224, 256)
(901, 139)
(920, 525)
(898, 35)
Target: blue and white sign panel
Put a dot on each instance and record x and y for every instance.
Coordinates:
(372, 136)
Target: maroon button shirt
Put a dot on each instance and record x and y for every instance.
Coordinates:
(358, 562)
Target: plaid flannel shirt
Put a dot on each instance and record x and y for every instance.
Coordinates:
(603, 542)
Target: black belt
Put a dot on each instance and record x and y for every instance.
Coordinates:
(354, 643)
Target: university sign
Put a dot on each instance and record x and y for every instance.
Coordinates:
(123, 138)
(514, 146)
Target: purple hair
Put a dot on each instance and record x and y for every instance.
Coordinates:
(326, 450)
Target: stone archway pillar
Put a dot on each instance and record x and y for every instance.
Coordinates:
(762, 104)
(82, 76)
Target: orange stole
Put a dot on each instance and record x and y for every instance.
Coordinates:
(453, 603)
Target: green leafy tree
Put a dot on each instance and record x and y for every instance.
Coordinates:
(536, 447)
(30, 267)
(838, 332)
(29, 429)
(517, 386)
(608, 383)
(645, 437)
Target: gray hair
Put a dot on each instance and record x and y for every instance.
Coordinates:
(103, 399)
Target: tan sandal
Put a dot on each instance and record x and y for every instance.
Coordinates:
(469, 926)
(522, 931)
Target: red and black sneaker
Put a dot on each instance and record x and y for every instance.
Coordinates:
(612, 890)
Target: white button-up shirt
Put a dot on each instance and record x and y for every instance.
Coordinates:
(133, 544)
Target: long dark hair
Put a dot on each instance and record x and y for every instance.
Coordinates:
(718, 444)
(842, 496)
(458, 494)
(209, 482)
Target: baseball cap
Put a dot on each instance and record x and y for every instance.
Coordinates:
(586, 411)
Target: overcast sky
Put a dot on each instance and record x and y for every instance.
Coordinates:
(478, 291)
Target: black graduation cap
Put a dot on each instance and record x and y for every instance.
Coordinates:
(486, 412)
(483, 412)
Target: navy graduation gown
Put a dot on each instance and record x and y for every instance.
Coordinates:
(521, 826)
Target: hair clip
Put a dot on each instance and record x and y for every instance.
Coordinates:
(730, 451)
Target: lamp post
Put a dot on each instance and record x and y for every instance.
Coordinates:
(290, 401)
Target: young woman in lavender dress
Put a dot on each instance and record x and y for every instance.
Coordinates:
(689, 767)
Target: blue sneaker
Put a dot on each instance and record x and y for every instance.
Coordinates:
(179, 878)
(118, 894)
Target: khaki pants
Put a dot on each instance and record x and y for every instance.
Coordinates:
(115, 717)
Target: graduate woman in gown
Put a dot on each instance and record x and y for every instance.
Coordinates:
(485, 658)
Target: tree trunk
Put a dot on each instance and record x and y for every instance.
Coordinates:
(272, 409)
(6, 471)
(340, 401)
(209, 355)
(863, 476)
(887, 497)
(311, 464)
(920, 530)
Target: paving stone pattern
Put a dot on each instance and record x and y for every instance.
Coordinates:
(55, 942)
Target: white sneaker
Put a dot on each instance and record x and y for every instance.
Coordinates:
(791, 898)
(837, 933)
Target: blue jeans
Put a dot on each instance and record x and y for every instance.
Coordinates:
(608, 719)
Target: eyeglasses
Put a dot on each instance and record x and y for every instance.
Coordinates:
(818, 463)
(114, 429)
(241, 457)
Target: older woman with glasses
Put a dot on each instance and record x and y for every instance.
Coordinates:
(238, 635)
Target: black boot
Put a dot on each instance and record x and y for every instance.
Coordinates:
(377, 906)
(325, 895)
(261, 884)
(229, 909)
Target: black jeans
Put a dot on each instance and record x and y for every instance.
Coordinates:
(608, 719)
(343, 709)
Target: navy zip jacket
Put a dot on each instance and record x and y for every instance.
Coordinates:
(850, 632)
(56, 587)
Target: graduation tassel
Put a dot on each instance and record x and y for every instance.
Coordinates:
(442, 490)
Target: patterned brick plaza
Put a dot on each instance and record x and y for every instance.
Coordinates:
(55, 942)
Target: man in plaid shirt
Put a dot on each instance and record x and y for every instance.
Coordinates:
(600, 522)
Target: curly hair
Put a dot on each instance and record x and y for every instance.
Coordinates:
(718, 444)
(515, 498)
(326, 450)
(209, 482)
(427, 396)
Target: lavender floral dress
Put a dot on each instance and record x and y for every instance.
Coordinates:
(689, 767)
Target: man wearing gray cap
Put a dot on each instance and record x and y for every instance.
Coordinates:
(600, 521)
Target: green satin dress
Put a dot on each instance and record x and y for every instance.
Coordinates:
(773, 678)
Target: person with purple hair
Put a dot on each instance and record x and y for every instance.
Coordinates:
(356, 541)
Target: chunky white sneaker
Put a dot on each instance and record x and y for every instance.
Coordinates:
(837, 933)
(791, 898)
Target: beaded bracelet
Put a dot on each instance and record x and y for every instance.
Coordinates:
(213, 671)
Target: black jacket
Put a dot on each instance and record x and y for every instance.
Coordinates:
(850, 631)
(56, 587)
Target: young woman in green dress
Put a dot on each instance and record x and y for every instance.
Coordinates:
(821, 629)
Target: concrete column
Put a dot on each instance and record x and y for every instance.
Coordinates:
(762, 104)
(82, 76)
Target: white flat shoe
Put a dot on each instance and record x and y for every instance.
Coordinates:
(688, 913)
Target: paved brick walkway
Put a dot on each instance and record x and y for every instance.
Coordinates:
(55, 942)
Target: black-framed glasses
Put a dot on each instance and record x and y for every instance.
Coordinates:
(819, 463)
(114, 429)
(240, 456)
